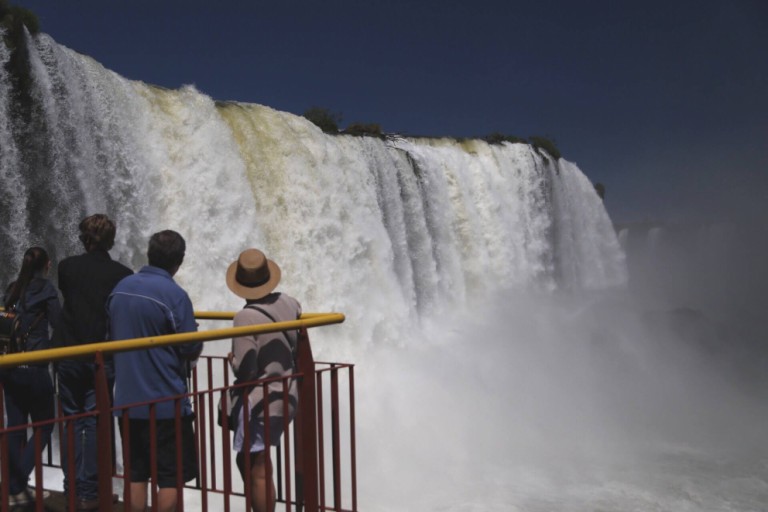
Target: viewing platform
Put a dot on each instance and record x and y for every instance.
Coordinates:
(314, 466)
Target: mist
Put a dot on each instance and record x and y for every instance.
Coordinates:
(644, 397)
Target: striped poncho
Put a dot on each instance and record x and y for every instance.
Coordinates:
(261, 357)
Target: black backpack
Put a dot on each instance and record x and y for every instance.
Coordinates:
(9, 324)
(11, 339)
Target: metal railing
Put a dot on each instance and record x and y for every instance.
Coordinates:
(307, 478)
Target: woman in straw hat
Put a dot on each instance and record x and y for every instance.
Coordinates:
(254, 278)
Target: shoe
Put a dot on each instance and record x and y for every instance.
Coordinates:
(22, 498)
(84, 505)
(25, 497)
(32, 491)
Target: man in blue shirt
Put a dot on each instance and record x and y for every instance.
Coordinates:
(150, 303)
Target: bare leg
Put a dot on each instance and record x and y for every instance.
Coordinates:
(262, 485)
(166, 499)
(138, 496)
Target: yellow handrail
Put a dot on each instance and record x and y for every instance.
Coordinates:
(307, 320)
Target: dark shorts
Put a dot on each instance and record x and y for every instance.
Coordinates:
(165, 433)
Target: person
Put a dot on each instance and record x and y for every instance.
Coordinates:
(85, 281)
(28, 389)
(254, 278)
(150, 303)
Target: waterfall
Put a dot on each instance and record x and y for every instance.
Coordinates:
(13, 207)
(503, 364)
(392, 232)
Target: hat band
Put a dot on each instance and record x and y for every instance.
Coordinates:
(254, 284)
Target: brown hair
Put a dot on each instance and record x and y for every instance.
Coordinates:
(97, 232)
(35, 260)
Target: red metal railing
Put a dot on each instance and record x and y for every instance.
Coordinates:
(314, 465)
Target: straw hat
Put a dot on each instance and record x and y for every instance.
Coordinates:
(252, 276)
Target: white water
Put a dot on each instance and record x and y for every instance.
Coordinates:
(552, 403)
(501, 364)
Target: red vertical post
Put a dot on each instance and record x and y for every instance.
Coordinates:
(211, 419)
(38, 469)
(70, 430)
(179, 467)
(306, 447)
(126, 437)
(335, 438)
(245, 449)
(103, 434)
(286, 450)
(152, 491)
(352, 440)
(5, 469)
(320, 404)
(200, 433)
(226, 454)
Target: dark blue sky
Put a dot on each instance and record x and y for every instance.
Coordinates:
(665, 102)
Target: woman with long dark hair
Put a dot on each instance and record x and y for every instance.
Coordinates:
(29, 388)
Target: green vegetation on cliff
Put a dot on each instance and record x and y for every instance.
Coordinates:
(498, 138)
(600, 189)
(362, 129)
(13, 19)
(329, 121)
(538, 142)
(324, 119)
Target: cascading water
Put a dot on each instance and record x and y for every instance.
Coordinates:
(13, 199)
(392, 232)
(473, 277)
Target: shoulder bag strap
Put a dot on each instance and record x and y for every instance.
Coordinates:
(265, 313)
(262, 311)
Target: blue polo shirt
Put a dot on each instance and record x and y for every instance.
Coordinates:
(150, 303)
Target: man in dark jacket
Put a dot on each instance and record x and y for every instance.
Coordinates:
(85, 282)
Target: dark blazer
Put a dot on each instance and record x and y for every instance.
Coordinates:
(85, 282)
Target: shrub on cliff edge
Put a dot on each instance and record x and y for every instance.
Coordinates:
(13, 18)
(498, 138)
(360, 129)
(324, 119)
(546, 144)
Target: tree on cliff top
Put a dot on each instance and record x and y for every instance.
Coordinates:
(600, 189)
(13, 17)
(538, 142)
(324, 119)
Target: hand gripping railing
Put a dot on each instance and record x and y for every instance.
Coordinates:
(307, 393)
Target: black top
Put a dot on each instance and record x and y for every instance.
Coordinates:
(85, 282)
